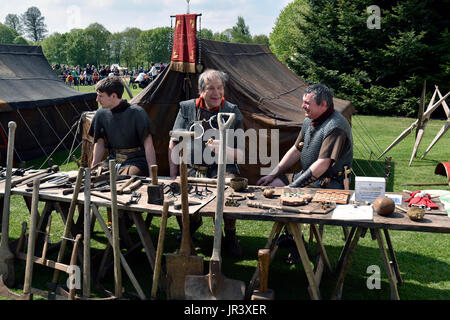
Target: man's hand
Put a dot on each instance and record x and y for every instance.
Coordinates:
(264, 181)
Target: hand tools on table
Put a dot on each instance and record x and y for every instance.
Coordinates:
(263, 265)
(6, 256)
(180, 265)
(215, 286)
(39, 174)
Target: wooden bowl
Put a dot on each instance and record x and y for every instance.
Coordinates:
(239, 183)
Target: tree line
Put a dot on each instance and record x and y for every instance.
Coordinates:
(378, 57)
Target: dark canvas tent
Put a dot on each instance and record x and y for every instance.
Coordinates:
(43, 107)
(268, 94)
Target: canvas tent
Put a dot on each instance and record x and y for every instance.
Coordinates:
(43, 107)
(268, 94)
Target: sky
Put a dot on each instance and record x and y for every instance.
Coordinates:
(116, 15)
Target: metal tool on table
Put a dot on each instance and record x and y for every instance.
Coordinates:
(215, 286)
(180, 265)
(263, 265)
(155, 190)
(39, 174)
(160, 249)
(6, 256)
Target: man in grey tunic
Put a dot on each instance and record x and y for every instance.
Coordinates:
(324, 147)
(200, 115)
(124, 129)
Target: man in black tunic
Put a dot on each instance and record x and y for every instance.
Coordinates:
(124, 129)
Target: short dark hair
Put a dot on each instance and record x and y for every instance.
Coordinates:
(321, 92)
(110, 85)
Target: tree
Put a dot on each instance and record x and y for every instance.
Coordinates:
(240, 32)
(98, 49)
(129, 44)
(20, 40)
(7, 35)
(34, 25)
(115, 47)
(381, 71)
(207, 34)
(154, 45)
(76, 44)
(286, 32)
(224, 36)
(55, 48)
(261, 39)
(13, 21)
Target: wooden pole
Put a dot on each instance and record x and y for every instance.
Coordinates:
(87, 235)
(115, 230)
(31, 239)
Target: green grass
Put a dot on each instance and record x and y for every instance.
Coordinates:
(424, 258)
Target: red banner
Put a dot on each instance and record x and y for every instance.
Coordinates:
(184, 43)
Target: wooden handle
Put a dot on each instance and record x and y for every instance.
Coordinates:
(133, 186)
(6, 197)
(115, 231)
(185, 249)
(126, 184)
(160, 249)
(263, 263)
(31, 239)
(154, 170)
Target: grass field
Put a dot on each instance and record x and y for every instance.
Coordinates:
(424, 258)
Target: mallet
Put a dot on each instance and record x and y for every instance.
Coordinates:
(155, 190)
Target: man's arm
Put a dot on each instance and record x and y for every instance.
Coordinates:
(150, 155)
(233, 154)
(98, 152)
(289, 159)
(172, 166)
(316, 170)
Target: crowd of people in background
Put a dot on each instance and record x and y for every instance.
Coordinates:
(90, 74)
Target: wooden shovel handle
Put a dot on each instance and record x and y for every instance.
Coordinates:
(263, 263)
(133, 186)
(6, 197)
(154, 171)
(160, 249)
(185, 249)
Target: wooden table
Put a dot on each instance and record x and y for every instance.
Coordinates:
(436, 223)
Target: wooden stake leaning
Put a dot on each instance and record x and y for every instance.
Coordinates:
(115, 230)
(87, 235)
(160, 249)
(6, 256)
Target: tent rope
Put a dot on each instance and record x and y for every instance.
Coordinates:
(51, 127)
(31, 131)
(54, 150)
(17, 154)
(68, 127)
(72, 150)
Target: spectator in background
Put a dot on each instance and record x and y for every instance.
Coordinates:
(161, 67)
(153, 72)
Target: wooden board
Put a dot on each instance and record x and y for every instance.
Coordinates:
(293, 197)
(336, 196)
